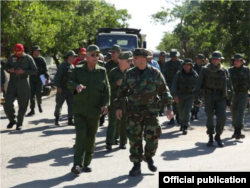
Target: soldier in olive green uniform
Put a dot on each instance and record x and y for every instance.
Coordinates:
(240, 76)
(115, 78)
(89, 83)
(170, 68)
(182, 91)
(144, 86)
(20, 66)
(217, 86)
(197, 67)
(63, 93)
(36, 84)
(115, 51)
(162, 60)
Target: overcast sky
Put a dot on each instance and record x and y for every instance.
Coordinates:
(140, 11)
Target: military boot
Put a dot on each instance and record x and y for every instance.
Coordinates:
(31, 113)
(184, 130)
(19, 127)
(136, 170)
(40, 108)
(108, 147)
(238, 134)
(76, 169)
(86, 168)
(171, 122)
(57, 121)
(70, 121)
(210, 141)
(218, 140)
(11, 124)
(233, 136)
(151, 165)
(181, 128)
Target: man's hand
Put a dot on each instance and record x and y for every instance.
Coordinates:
(119, 82)
(80, 87)
(176, 99)
(118, 114)
(104, 110)
(19, 71)
(12, 70)
(170, 114)
(59, 90)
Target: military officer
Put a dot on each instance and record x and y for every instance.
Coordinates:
(115, 79)
(182, 91)
(36, 84)
(217, 85)
(170, 68)
(63, 93)
(199, 63)
(115, 51)
(90, 85)
(144, 86)
(20, 65)
(162, 60)
(240, 76)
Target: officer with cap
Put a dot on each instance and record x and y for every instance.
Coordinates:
(115, 51)
(90, 85)
(162, 60)
(240, 76)
(144, 86)
(64, 70)
(115, 79)
(182, 91)
(170, 68)
(81, 56)
(20, 65)
(36, 85)
(199, 63)
(217, 85)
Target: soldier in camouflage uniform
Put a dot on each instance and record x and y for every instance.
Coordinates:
(144, 86)
(63, 93)
(197, 67)
(240, 76)
(217, 86)
(115, 79)
(36, 84)
(170, 68)
(182, 91)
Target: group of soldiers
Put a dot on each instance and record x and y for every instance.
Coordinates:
(133, 90)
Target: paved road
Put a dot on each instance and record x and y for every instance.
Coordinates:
(41, 154)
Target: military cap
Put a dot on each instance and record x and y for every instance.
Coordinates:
(125, 55)
(200, 56)
(238, 56)
(174, 53)
(187, 61)
(217, 55)
(163, 53)
(141, 52)
(71, 53)
(36, 48)
(93, 48)
(116, 48)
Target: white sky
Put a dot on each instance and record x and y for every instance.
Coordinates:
(141, 11)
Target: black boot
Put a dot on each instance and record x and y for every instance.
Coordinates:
(195, 115)
(184, 130)
(181, 128)
(76, 169)
(108, 147)
(86, 168)
(18, 127)
(40, 108)
(151, 165)
(57, 121)
(238, 134)
(171, 122)
(70, 121)
(11, 124)
(218, 140)
(136, 170)
(31, 113)
(233, 136)
(122, 146)
(210, 141)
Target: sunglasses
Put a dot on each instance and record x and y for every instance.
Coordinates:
(94, 55)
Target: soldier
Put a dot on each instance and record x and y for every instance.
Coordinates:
(81, 56)
(152, 62)
(240, 76)
(144, 86)
(36, 84)
(115, 79)
(217, 85)
(170, 68)
(63, 93)
(199, 63)
(115, 51)
(90, 85)
(108, 57)
(20, 65)
(182, 91)
(162, 60)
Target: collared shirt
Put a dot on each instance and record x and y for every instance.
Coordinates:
(154, 63)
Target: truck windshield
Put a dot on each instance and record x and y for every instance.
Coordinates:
(126, 42)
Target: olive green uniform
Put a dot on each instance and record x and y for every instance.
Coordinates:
(110, 65)
(60, 80)
(241, 85)
(36, 84)
(114, 124)
(18, 86)
(182, 87)
(87, 108)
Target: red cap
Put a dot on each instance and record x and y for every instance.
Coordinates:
(18, 49)
(83, 50)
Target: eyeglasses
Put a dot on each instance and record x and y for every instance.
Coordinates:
(94, 55)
